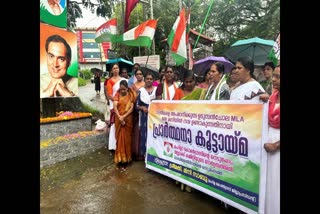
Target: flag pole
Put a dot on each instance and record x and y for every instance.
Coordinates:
(205, 19)
(153, 44)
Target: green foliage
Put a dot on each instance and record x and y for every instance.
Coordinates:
(101, 8)
(81, 81)
(87, 74)
(228, 21)
(95, 113)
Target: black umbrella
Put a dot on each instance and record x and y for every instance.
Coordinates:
(148, 68)
(95, 70)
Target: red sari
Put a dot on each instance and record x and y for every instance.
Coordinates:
(123, 152)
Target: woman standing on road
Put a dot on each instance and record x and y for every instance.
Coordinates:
(124, 101)
(146, 94)
(113, 86)
(97, 83)
(136, 154)
(272, 148)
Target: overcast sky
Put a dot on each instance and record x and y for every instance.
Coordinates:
(89, 19)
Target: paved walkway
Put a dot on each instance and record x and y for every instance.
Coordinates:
(87, 94)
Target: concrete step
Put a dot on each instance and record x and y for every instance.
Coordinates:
(68, 146)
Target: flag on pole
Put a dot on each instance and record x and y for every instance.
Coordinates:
(190, 57)
(274, 54)
(188, 25)
(177, 39)
(106, 31)
(130, 5)
(142, 35)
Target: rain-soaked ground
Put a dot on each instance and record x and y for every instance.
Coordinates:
(91, 184)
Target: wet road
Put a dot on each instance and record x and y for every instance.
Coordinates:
(91, 184)
(87, 95)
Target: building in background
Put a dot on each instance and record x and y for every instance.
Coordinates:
(91, 54)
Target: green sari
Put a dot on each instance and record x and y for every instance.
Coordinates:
(196, 94)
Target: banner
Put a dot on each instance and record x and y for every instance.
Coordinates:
(54, 12)
(216, 148)
(58, 61)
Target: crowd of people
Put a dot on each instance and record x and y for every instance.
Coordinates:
(128, 100)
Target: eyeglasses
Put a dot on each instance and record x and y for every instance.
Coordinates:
(138, 73)
(277, 76)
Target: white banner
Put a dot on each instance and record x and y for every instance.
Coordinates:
(216, 148)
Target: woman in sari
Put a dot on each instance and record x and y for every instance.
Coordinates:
(161, 74)
(146, 94)
(272, 148)
(167, 89)
(136, 154)
(219, 89)
(207, 80)
(249, 88)
(233, 80)
(123, 107)
(112, 88)
(188, 89)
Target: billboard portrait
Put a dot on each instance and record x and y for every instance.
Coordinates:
(58, 62)
(54, 12)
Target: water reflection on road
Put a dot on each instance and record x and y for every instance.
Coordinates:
(91, 184)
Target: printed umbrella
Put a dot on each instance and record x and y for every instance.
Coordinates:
(256, 48)
(201, 66)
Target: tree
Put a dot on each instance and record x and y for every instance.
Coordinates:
(233, 20)
(228, 20)
(102, 8)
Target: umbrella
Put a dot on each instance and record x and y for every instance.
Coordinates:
(256, 48)
(94, 70)
(122, 64)
(148, 68)
(201, 66)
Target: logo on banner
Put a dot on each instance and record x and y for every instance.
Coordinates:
(168, 149)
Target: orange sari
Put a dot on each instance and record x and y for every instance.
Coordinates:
(123, 152)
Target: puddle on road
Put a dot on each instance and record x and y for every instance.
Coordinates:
(72, 169)
(91, 184)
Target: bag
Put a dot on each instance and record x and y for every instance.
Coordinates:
(100, 125)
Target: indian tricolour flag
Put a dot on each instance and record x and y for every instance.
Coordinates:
(177, 39)
(106, 31)
(142, 35)
(274, 54)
